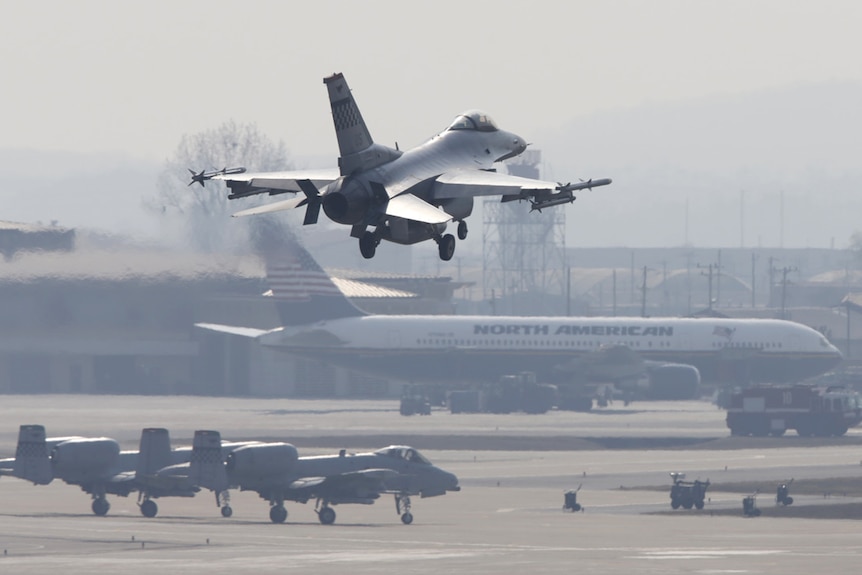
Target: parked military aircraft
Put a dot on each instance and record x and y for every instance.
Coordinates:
(404, 197)
(673, 353)
(97, 465)
(277, 473)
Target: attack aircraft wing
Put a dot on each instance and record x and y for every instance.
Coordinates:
(366, 484)
(540, 194)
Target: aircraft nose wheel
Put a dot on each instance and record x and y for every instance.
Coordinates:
(326, 515)
(101, 506)
(277, 514)
(149, 508)
(226, 511)
(407, 518)
(462, 230)
(446, 246)
(368, 245)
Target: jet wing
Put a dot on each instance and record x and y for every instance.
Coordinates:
(367, 480)
(463, 183)
(251, 183)
(540, 193)
(410, 207)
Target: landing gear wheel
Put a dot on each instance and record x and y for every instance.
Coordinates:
(326, 515)
(462, 230)
(226, 511)
(367, 245)
(149, 508)
(407, 518)
(446, 246)
(277, 514)
(101, 506)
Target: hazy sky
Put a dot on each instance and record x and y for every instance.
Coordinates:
(133, 77)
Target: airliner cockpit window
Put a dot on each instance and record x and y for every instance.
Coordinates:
(474, 120)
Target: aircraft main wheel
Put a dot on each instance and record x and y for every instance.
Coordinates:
(326, 515)
(447, 247)
(149, 508)
(277, 514)
(407, 518)
(101, 506)
(367, 245)
(462, 230)
(226, 511)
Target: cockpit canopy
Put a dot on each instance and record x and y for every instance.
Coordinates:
(403, 452)
(474, 120)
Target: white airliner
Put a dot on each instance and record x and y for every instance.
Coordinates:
(675, 353)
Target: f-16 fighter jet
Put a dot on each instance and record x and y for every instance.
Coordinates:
(404, 197)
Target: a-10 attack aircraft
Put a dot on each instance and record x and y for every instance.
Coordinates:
(97, 465)
(277, 473)
(404, 197)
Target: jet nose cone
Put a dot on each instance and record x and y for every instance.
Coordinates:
(452, 482)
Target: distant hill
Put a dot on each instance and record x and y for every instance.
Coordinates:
(802, 140)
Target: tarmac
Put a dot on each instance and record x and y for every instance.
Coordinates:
(508, 517)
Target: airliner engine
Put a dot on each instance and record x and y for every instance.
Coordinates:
(264, 460)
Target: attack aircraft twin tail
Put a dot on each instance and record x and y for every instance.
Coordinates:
(404, 197)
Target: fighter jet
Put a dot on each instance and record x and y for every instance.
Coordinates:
(97, 465)
(402, 197)
(276, 473)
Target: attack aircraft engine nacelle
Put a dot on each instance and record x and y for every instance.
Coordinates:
(348, 200)
(673, 381)
(82, 460)
(256, 462)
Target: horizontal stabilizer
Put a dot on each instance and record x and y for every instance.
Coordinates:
(273, 207)
(410, 207)
(233, 330)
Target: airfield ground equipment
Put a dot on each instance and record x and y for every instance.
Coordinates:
(570, 500)
(782, 494)
(763, 410)
(687, 494)
(511, 393)
(414, 401)
(749, 506)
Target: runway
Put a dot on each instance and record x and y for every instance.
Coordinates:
(506, 519)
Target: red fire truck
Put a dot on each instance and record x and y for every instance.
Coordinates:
(811, 410)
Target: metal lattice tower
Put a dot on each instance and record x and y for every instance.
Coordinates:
(524, 252)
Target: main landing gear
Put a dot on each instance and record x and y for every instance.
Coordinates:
(149, 508)
(277, 512)
(100, 505)
(223, 501)
(402, 506)
(369, 240)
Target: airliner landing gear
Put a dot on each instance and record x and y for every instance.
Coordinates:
(402, 506)
(326, 515)
(446, 247)
(462, 230)
(100, 505)
(368, 243)
(149, 508)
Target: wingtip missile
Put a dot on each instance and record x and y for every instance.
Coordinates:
(203, 175)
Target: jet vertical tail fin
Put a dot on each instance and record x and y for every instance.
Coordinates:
(356, 148)
(31, 456)
(154, 452)
(303, 293)
(206, 467)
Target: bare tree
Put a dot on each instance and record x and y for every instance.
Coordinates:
(204, 212)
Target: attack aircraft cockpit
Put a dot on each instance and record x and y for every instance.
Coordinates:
(474, 120)
(403, 452)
